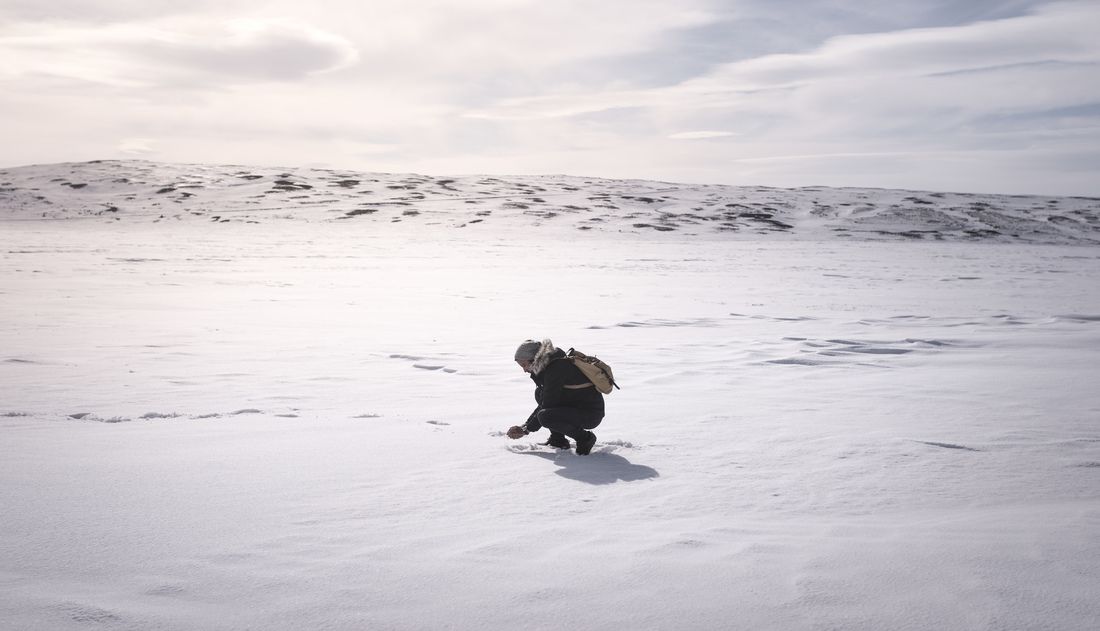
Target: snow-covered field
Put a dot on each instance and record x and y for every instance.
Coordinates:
(293, 419)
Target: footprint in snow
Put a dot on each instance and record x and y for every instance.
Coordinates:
(837, 351)
(946, 445)
(423, 366)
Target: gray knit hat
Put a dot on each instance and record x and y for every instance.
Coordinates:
(527, 350)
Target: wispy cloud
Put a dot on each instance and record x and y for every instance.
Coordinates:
(137, 147)
(696, 135)
(873, 67)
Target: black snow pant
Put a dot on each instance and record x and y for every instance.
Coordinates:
(568, 421)
(563, 421)
(572, 422)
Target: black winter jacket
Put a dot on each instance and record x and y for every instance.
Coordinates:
(559, 383)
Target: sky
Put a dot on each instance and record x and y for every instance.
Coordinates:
(984, 96)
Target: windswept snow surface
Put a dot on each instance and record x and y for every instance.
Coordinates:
(297, 423)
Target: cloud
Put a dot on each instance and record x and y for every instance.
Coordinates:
(1060, 32)
(137, 147)
(128, 55)
(694, 135)
(865, 67)
(280, 50)
(479, 51)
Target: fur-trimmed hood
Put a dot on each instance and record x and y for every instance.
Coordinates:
(544, 356)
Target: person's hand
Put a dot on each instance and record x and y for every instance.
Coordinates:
(516, 431)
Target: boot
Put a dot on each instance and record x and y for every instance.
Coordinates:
(585, 443)
(557, 441)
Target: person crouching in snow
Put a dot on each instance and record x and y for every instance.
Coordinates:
(568, 403)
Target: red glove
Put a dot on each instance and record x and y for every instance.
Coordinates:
(516, 431)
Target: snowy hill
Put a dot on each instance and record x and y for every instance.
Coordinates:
(149, 191)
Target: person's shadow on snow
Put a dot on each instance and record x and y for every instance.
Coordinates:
(599, 467)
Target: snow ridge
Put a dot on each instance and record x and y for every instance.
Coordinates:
(143, 191)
